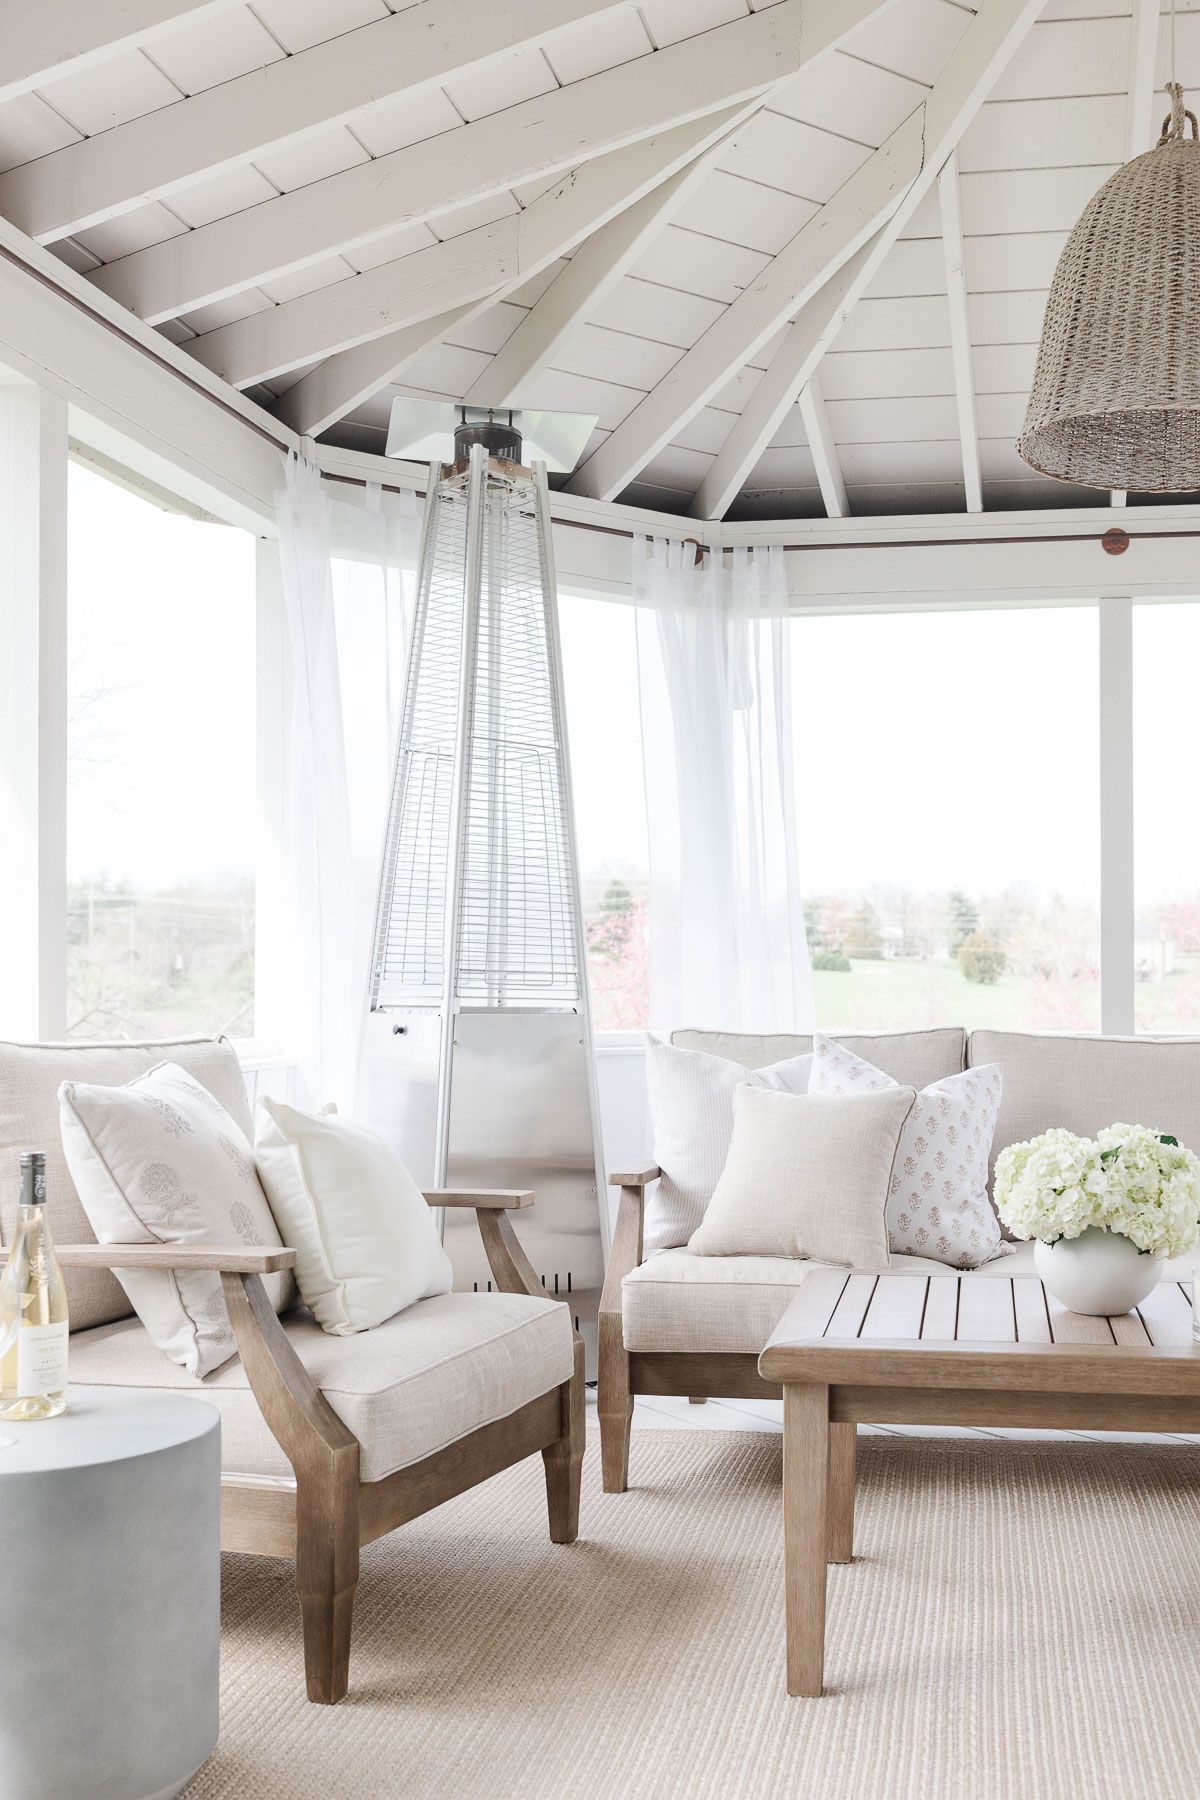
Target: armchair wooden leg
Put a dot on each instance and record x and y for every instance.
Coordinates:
(614, 1448)
(614, 1403)
(564, 1460)
(326, 1577)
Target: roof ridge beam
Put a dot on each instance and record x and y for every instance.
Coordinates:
(225, 127)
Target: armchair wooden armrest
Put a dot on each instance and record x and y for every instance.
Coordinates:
(225, 1259)
(485, 1199)
(511, 1269)
(641, 1178)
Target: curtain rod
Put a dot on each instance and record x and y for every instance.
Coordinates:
(1114, 540)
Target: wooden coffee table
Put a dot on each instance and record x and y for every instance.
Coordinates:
(946, 1350)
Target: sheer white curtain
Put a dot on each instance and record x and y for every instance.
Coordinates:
(727, 940)
(346, 586)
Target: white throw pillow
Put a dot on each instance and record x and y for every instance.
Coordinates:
(365, 1241)
(691, 1109)
(807, 1177)
(160, 1161)
(939, 1204)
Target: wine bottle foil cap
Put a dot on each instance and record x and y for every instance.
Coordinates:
(33, 1159)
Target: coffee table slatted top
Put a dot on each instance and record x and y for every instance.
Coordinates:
(951, 1331)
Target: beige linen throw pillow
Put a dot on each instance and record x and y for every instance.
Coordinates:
(807, 1177)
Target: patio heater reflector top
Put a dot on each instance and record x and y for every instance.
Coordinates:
(428, 430)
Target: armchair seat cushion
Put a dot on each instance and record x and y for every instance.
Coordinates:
(410, 1386)
(731, 1304)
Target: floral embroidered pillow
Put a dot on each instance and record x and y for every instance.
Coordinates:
(938, 1205)
(160, 1161)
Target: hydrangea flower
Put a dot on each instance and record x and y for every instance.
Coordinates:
(1139, 1183)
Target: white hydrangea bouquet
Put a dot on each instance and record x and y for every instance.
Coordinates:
(1104, 1211)
(1141, 1184)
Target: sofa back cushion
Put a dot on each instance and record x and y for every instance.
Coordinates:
(30, 1077)
(912, 1058)
(1085, 1083)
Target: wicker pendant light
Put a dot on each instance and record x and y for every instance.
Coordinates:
(1116, 392)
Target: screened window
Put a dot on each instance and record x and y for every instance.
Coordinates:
(161, 768)
(600, 673)
(948, 817)
(1166, 755)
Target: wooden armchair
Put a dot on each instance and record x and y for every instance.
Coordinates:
(623, 1373)
(327, 1512)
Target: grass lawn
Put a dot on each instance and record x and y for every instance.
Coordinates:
(888, 996)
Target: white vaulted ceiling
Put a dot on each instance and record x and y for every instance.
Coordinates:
(674, 214)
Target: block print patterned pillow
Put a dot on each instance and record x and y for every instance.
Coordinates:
(938, 1205)
(160, 1161)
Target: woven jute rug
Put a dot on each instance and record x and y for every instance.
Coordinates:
(1022, 1619)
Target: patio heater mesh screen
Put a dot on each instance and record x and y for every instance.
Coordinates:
(515, 940)
(480, 1041)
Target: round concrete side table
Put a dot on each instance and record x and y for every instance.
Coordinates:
(109, 1597)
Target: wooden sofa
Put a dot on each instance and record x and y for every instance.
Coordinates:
(675, 1323)
(327, 1442)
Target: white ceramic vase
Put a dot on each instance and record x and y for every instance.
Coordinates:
(1097, 1272)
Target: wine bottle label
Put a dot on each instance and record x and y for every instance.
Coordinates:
(42, 1359)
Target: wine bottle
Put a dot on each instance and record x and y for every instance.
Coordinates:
(33, 1309)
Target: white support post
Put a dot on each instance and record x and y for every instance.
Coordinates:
(33, 713)
(274, 973)
(1116, 816)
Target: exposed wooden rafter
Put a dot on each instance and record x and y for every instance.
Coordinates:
(478, 265)
(41, 43)
(876, 201)
(593, 271)
(823, 450)
(406, 54)
(730, 65)
(950, 209)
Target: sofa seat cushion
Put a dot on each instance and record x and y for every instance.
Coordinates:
(410, 1386)
(679, 1301)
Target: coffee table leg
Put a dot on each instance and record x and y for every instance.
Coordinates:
(843, 1446)
(805, 1531)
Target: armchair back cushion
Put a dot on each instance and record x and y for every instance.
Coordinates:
(30, 1077)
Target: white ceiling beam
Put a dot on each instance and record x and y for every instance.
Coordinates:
(583, 202)
(333, 389)
(537, 139)
(950, 209)
(1139, 98)
(823, 450)
(475, 265)
(593, 271)
(40, 43)
(979, 58)
(808, 260)
(282, 103)
(766, 409)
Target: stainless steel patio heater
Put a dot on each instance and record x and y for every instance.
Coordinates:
(479, 959)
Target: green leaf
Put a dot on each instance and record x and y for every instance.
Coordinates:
(1163, 1138)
